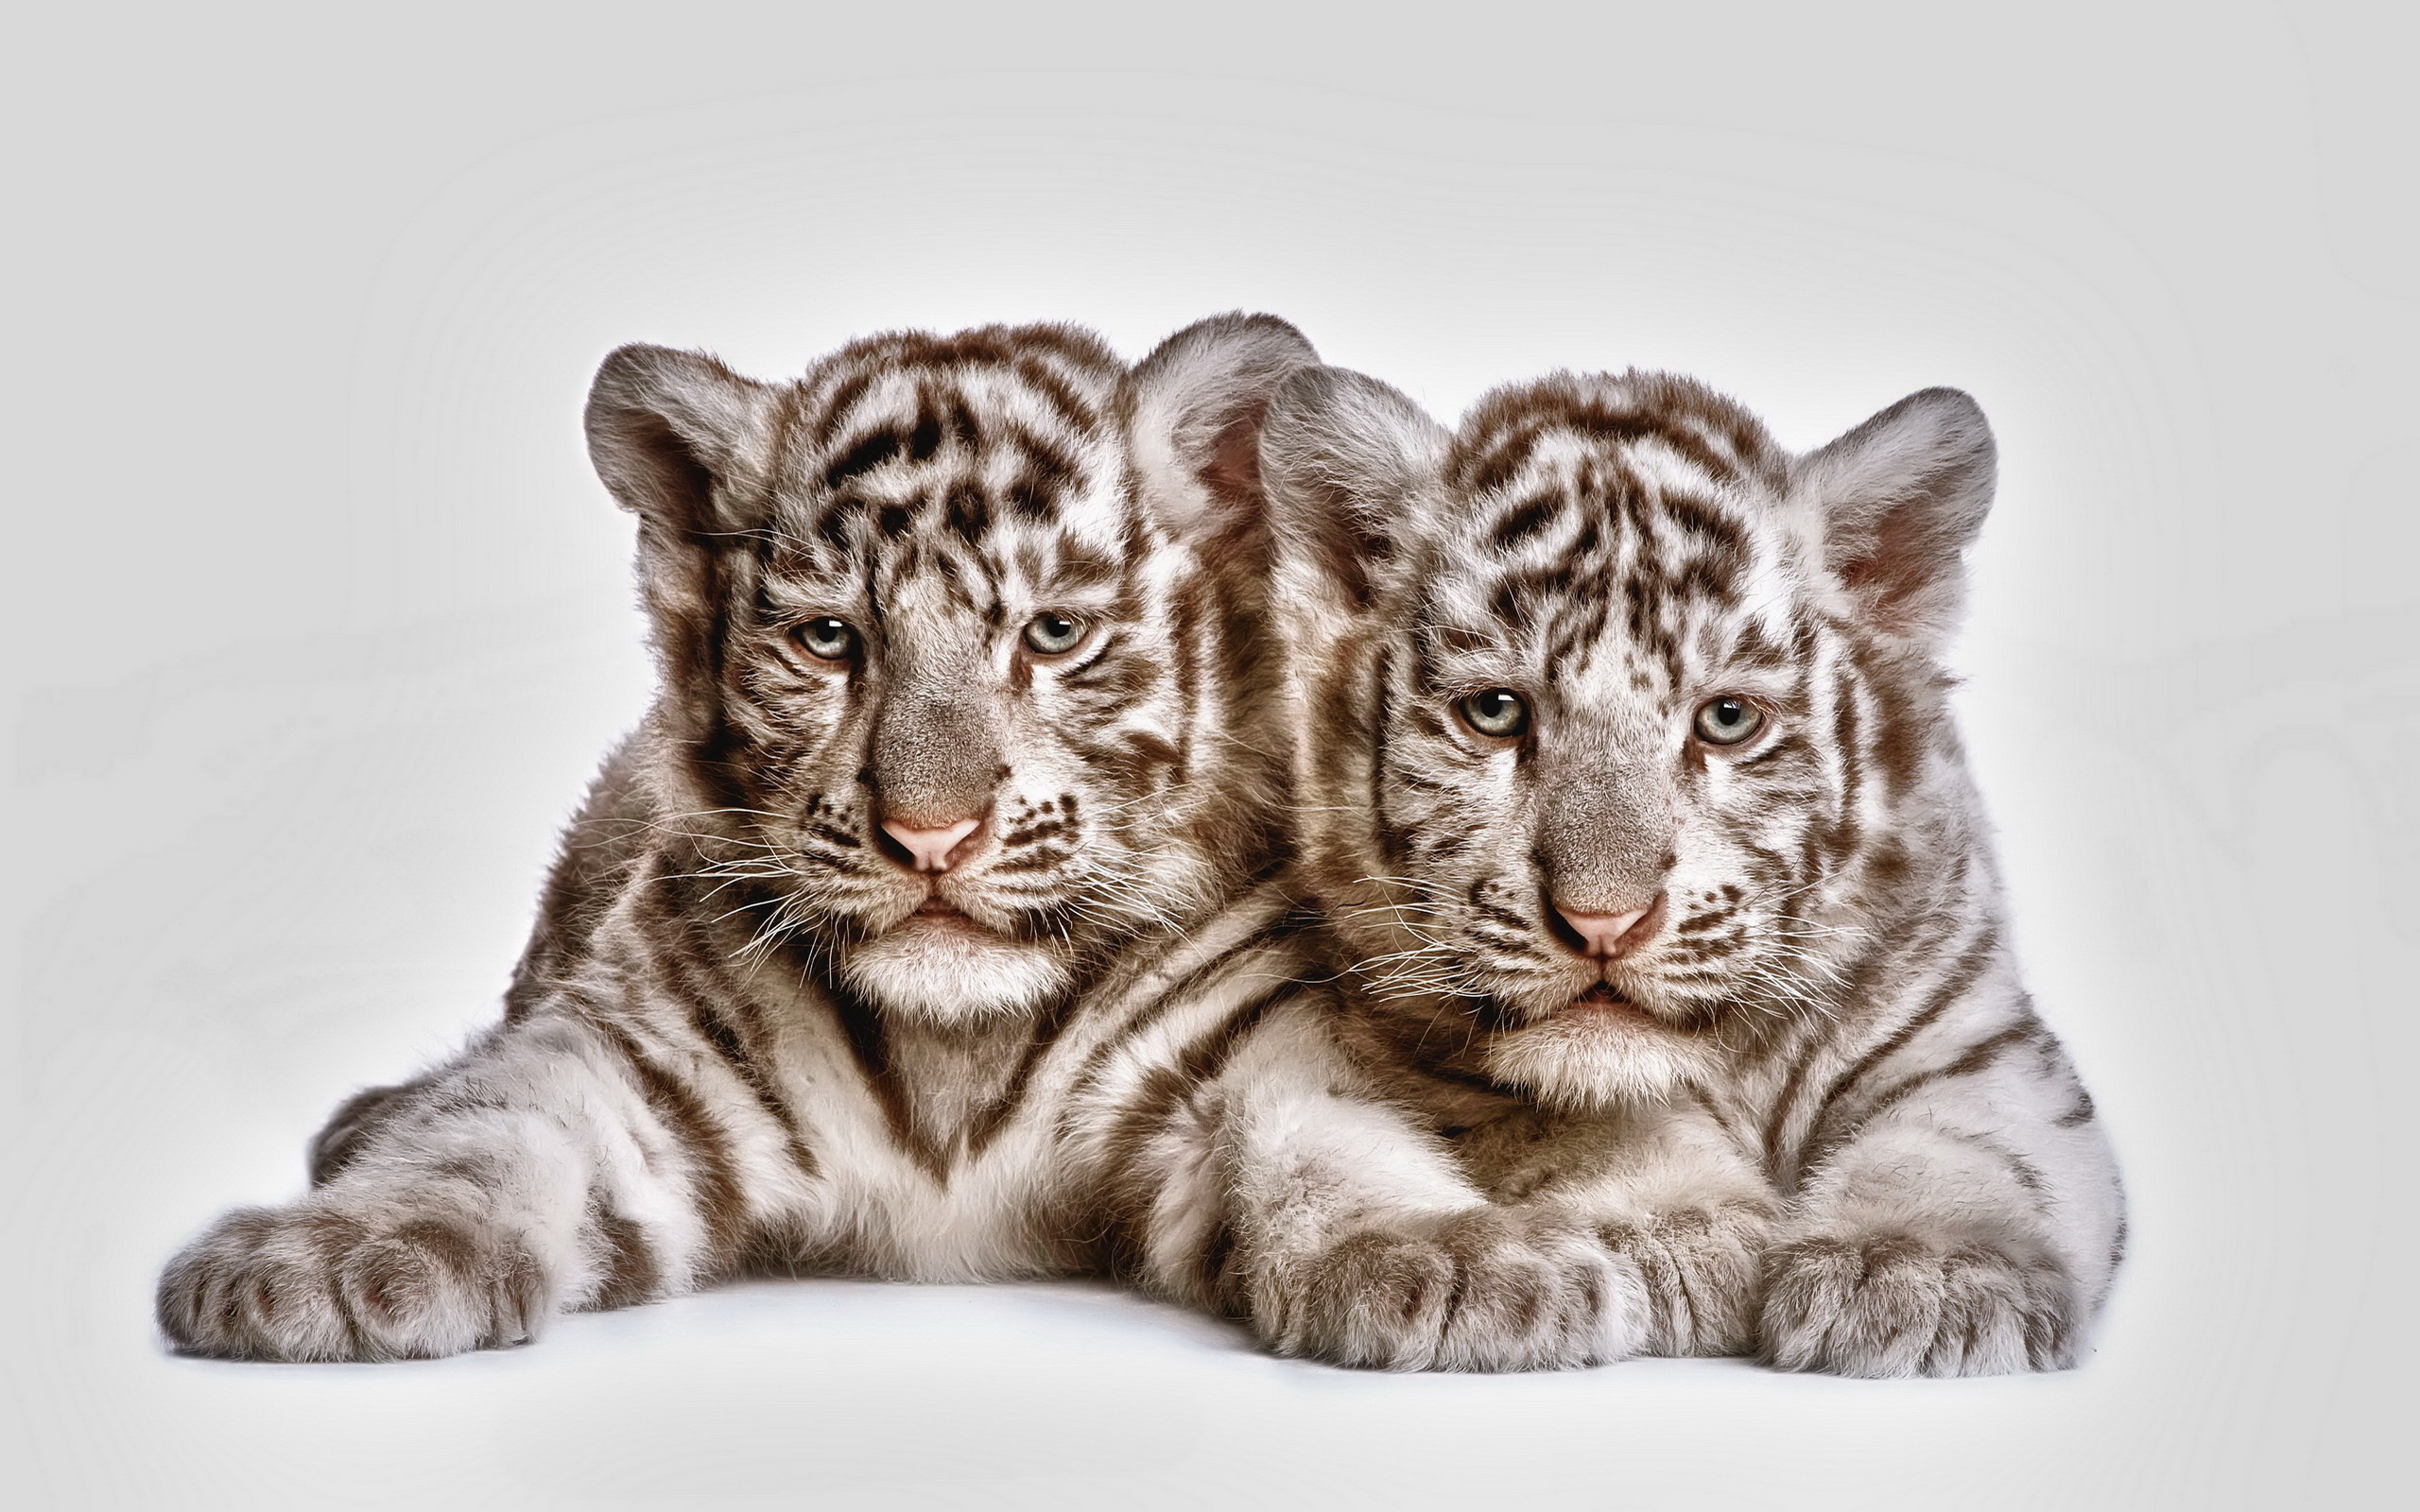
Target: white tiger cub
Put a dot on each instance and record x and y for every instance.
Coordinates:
(954, 773)
(1675, 1011)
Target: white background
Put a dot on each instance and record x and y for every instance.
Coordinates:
(324, 622)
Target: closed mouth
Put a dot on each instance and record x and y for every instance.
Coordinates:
(1603, 999)
(935, 918)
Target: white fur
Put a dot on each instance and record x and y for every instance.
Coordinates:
(1590, 1061)
(946, 973)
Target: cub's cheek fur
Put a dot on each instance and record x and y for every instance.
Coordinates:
(1895, 1305)
(1488, 1289)
(314, 1282)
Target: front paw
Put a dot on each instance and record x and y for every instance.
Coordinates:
(314, 1282)
(1702, 1269)
(1892, 1305)
(1490, 1289)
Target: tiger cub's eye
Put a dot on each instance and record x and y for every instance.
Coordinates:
(1053, 634)
(826, 639)
(1728, 721)
(1497, 711)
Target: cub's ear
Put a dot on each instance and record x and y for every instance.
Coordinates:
(680, 438)
(683, 443)
(1350, 466)
(1893, 505)
(1194, 409)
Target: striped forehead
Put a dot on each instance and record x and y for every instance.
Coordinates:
(987, 469)
(1619, 546)
(1627, 412)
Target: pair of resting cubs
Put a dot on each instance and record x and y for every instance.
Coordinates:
(1500, 899)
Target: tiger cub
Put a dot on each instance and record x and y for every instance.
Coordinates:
(1674, 972)
(955, 767)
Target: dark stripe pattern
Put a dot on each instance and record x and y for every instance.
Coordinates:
(732, 1044)
(1826, 984)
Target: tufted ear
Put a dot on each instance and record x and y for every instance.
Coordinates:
(1891, 506)
(1349, 463)
(1194, 410)
(680, 438)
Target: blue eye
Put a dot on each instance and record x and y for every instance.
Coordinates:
(1727, 721)
(826, 639)
(1053, 634)
(1498, 712)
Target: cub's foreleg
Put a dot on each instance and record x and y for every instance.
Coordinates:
(555, 1165)
(1957, 1212)
(1668, 1190)
(1285, 1190)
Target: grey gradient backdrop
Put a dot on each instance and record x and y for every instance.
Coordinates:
(324, 622)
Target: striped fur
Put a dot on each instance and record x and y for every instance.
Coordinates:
(1805, 1107)
(749, 1030)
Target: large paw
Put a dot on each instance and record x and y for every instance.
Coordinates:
(1895, 1306)
(310, 1282)
(1490, 1289)
(1702, 1269)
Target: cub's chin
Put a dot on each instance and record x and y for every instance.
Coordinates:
(949, 970)
(1598, 1052)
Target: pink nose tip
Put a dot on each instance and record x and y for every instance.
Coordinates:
(1614, 934)
(929, 849)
